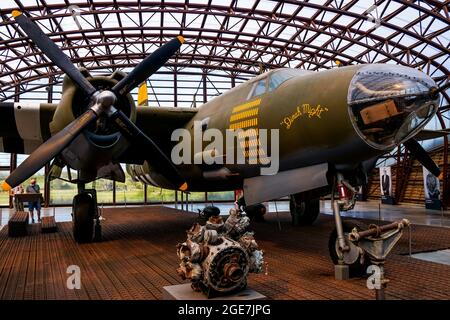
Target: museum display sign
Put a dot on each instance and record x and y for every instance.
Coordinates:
(431, 188)
(387, 193)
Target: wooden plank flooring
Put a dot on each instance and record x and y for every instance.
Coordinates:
(137, 258)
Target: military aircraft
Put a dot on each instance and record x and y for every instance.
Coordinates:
(331, 126)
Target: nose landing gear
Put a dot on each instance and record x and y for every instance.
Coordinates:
(377, 242)
(352, 262)
(356, 249)
(349, 259)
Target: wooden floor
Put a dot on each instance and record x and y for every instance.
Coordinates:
(137, 258)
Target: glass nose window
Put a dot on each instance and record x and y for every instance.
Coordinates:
(389, 103)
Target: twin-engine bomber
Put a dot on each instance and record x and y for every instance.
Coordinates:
(331, 126)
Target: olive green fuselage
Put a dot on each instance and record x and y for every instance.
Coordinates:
(311, 113)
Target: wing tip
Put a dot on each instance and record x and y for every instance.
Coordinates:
(6, 186)
(16, 13)
(183, 187)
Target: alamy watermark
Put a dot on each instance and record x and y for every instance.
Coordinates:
(374, 279)
(74, 280)
(238, 146)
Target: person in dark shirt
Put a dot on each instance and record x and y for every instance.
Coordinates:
(386, 183)
(34, 188)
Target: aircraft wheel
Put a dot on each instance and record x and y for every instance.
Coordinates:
(303, 212)
(83, 217)
(352, 258)
(256, 212)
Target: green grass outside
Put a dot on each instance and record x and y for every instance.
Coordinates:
(130, 192)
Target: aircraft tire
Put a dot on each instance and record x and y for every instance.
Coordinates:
(256, 212)
(356, 269)
(304, 213)
(83, 218)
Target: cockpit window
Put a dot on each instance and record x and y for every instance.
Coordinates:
(275, 79)
(280, 76)
(259, 88)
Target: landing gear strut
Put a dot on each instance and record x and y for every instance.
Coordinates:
(85, 211)
(349, 259)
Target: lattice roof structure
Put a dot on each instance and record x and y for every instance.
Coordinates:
(227, 41)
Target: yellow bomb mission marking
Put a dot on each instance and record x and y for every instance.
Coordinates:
(247, 105)
(245, 117)
(304, 110)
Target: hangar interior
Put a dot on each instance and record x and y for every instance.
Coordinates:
(227, 43)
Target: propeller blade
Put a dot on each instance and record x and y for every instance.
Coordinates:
(422, 156)
(159, 160)
(48, 150)
(143, 94)
(148, 66)
(52, 51)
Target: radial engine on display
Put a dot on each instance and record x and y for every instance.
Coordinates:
(218, 256)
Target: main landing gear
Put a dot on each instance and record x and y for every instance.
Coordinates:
(255, 212)
(356, 249)
(303, 211)
(85, 217)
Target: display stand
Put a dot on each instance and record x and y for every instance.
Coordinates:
(20, 198)
(341, 272)
(433, 204)
(387, 200)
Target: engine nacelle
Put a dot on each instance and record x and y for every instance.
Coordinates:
(100, 144)
(145, 174)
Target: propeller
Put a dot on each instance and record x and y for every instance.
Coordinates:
(416, 149)
(53, 146)
(422, 156)
(100, 102)
(53, 52)
(148, 66)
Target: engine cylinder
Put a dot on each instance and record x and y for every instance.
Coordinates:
(218, 256)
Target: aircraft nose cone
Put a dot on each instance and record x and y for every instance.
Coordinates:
(389, 104)
(376, 82)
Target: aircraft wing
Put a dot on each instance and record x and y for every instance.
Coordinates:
(26, 125)
(158, 123)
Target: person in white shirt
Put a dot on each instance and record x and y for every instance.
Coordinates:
(14, 191)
